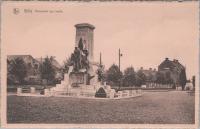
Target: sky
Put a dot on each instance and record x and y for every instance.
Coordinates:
(146, 32)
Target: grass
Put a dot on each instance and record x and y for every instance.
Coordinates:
(173, 107)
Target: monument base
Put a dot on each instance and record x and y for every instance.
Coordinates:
(77, 84)
(77, 78)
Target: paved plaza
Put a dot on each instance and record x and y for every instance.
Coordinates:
(160, 107)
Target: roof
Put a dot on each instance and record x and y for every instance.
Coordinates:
(171, 65)
(26, 58)
(81, 25)
(10, 57)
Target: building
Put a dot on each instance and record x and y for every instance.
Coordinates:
(33, 68)
(172, 70)
(150, 76)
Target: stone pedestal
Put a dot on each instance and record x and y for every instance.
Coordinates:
(134, 93)
(32, 90)
(46, 92)
(112, 93)
(78, 78)
(125, 93)
(66, 77)
(119, 94)
(19, 91)
(108, 87)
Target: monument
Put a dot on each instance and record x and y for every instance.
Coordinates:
(82, 58)
(84, 38)
(82, 79)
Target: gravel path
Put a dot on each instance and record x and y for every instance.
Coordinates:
(173, 107)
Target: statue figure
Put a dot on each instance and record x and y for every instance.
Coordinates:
(76, 59)
(85, 62)
(79, 59)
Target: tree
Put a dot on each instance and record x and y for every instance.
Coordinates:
(47, 70)
(193, 81)
(182, 78)
(17, 68)
(160, 78)
(129, 78)
(100, 72)
(141, 78)
(113, 75)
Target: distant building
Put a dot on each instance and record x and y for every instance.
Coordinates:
(150, 76)
(172, 70)
(33, 68)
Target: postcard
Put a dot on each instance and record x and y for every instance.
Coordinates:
(95, 64)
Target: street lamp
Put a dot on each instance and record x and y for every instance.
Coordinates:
(120, 54)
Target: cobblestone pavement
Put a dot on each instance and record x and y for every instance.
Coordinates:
(172, 107)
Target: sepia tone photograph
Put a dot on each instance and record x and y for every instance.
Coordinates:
(100, 64)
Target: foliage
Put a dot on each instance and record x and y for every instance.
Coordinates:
(66, 65)
(182, 79)
(193, 81)
(100, 72)
(17, 69)
(113, 75)
(141, 78)
(47, 70)
(160, 78)
(129, 78)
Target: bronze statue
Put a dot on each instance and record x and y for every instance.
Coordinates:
(79, 59)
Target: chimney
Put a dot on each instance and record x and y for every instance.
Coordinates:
(176, 61)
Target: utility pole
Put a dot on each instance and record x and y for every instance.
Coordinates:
(100, 60)
(119, 59)
(120, 54)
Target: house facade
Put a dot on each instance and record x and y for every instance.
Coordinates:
(172, 70)
(32, 66)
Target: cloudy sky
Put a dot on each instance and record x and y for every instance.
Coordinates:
(146, 32)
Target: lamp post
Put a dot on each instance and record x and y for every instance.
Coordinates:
(100, 60)
(120, 54)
